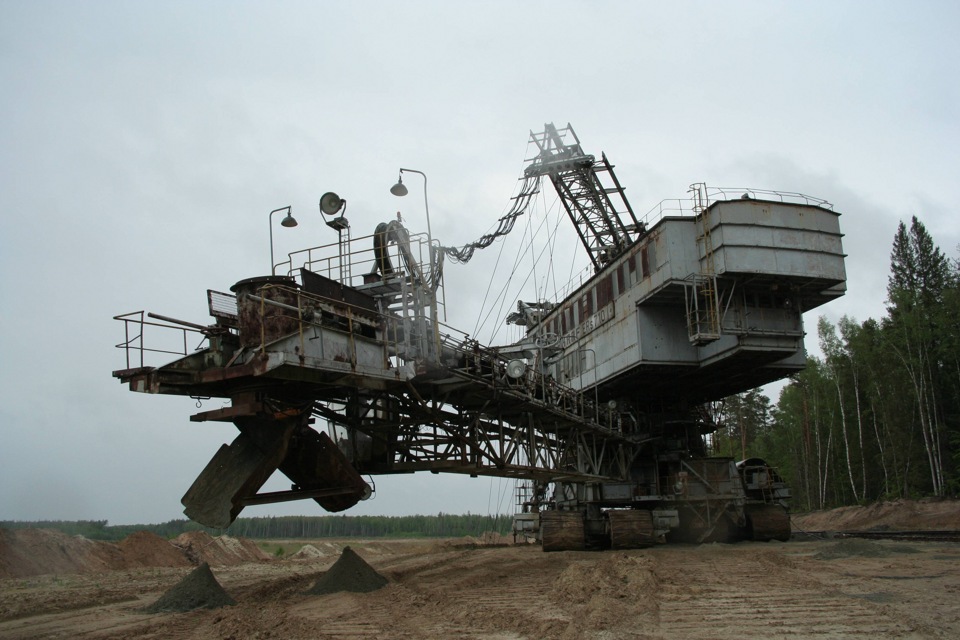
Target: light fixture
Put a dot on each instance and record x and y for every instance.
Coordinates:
(516, 369)
(330, 203)
(399, 189)
(288, 221)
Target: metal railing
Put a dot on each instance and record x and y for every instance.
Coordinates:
(741, 193)
(357, 265)
(330, 261)
(134, 343)
(702, 194)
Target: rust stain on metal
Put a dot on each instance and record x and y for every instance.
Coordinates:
(262, 323)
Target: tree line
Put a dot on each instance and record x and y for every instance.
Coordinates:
(442, 525)
(878, 415)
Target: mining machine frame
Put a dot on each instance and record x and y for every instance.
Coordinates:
(341, 368)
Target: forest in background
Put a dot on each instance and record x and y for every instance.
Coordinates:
(878, 416)
(442, 525)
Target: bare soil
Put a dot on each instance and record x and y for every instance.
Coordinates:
(467, 589)
(898, 515)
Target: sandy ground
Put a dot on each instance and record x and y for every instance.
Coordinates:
(898, 515)
(826, 589)
(57, 586)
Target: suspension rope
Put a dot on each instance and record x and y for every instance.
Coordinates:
(486, 294)
(504, 297)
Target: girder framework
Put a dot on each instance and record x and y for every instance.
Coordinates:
(521, 441)
(594, 208)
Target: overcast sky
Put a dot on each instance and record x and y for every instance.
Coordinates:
(142, 146)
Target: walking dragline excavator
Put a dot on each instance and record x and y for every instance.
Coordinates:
(340, 369)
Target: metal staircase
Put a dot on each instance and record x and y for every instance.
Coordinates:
(700, 289)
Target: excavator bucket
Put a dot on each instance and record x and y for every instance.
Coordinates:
(236, 471)
(232, 478)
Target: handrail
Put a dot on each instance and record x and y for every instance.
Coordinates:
(135, 343)
(787, 197)
(709, 195)
(325, 259)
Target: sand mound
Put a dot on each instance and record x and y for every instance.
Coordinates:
(198, 590)
(349, 573)
(145, 549)
(308, 552)
(30, 552)
(613, 586)
(898, 515)
(200, 547)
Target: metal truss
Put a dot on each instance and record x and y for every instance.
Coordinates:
(419, 435)
(576, 176)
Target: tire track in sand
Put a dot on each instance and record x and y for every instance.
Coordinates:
(753, 592)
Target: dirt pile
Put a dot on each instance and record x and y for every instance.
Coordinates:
(349, 573)
(486, 539)
(145, 549)
(200, 547)
(608, 590)
(308, 552)
(30, 552)
(897, 515)
(705, 592)
(198, 590)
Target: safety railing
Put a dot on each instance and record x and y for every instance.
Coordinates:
(703, 195)
(135, 324)
(457, 352)
(787, 197)
(352, 267)
(359, 265)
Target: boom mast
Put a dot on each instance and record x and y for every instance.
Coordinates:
(595, 209)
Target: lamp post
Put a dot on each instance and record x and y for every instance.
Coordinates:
(400, 189)
(288, 221)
